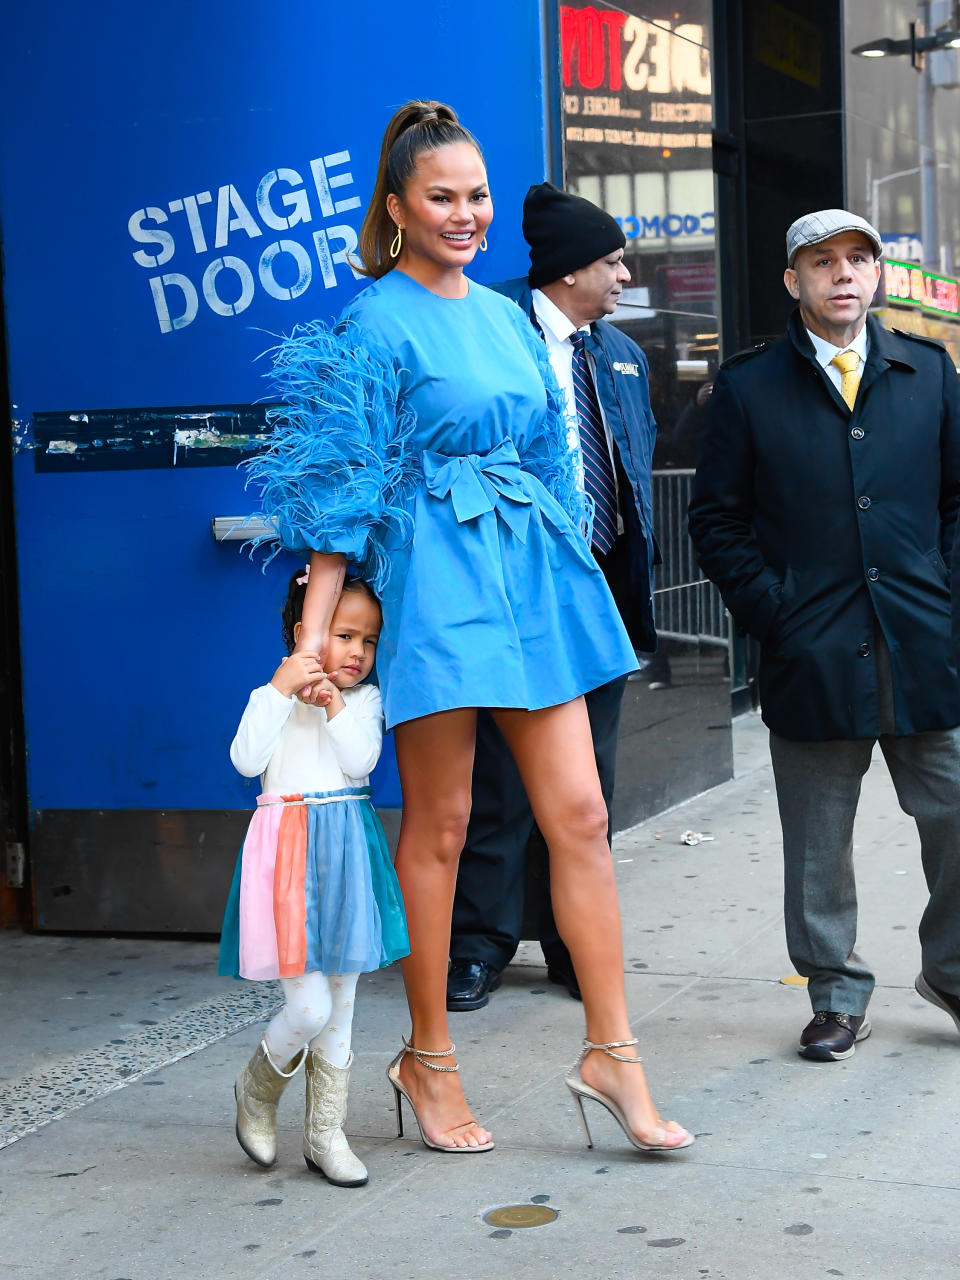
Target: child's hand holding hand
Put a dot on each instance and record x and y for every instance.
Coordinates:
(297, 672)
(324, 693)
(318, 649)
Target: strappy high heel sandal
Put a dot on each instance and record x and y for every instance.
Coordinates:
(580, 1090)
(393, 1075)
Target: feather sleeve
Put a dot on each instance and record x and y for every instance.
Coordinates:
(550, 453)
(338, 470)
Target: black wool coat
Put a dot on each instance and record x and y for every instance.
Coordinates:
(818, 524)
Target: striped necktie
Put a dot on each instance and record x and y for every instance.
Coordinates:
(847, 362)
(598, 477)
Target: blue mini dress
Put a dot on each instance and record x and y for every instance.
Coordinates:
(422, 438)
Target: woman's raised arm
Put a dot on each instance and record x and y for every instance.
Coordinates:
(327, 571)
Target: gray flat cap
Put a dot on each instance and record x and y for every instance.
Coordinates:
(814, 228)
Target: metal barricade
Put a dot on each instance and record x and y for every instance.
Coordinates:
(687, 605)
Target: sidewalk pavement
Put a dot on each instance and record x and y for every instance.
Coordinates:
(801, 1170)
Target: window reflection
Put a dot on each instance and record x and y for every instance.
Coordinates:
(637, 113)
(637, 131)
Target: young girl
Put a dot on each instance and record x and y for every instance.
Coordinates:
(315, 900)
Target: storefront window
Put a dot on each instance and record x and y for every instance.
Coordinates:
(637, 118)
(637, 122)
(885, 100)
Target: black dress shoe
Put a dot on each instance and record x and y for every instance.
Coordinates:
(469, 984)
(944, 1000)
(561, 972)
(832, 1036)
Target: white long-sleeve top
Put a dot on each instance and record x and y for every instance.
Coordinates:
(296, 748)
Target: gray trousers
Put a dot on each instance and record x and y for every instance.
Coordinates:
(818, 787)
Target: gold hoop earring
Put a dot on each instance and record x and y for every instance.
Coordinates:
(483, 245)
(397, 244)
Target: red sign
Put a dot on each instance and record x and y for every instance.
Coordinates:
(630, 82)
(611, 50)
(690, 281)
(590, 42)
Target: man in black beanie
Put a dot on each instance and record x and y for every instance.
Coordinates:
(575, 280)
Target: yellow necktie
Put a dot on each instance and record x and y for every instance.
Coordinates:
(847, 362)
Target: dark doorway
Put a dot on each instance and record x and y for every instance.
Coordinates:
(14, 873)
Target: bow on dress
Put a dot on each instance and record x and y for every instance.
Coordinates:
(479, 483)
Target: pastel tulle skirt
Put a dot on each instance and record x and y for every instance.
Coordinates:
(314, 889)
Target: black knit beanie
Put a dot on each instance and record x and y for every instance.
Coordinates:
(565, 233)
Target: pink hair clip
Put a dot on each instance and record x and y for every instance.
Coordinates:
(306, 576)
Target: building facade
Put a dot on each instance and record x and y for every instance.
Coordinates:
(805, 122)
(201, 192)
(193, 195)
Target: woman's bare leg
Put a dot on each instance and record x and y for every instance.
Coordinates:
(554, 753)
(435, 760)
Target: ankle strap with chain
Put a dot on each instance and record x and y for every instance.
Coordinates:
(612, 1044)
(421, 1055)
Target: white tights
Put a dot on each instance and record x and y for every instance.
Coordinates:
(319, 1012)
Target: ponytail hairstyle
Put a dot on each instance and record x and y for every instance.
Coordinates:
(415, 128)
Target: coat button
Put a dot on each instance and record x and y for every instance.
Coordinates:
(873, 574)
(864, 651)
(857, 433)
(863, 503)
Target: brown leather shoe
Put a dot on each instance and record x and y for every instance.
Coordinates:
(829, 1037)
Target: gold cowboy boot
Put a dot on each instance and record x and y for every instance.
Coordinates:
(257, 1090)
(325, 1147)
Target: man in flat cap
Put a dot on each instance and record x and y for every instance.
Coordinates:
(576, 275)
(825, 509)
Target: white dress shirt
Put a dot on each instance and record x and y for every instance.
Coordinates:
(557, 328)
(825, 351)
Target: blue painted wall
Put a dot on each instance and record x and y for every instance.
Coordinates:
(142, 637)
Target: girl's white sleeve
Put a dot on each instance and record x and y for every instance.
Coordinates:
(260, 728)
(356, 734)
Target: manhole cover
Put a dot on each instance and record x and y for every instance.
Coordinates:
(521, 1215)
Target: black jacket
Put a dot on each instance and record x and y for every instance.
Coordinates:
(816, 522)
(621, 377)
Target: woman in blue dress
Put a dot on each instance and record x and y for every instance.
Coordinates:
(418, 441)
